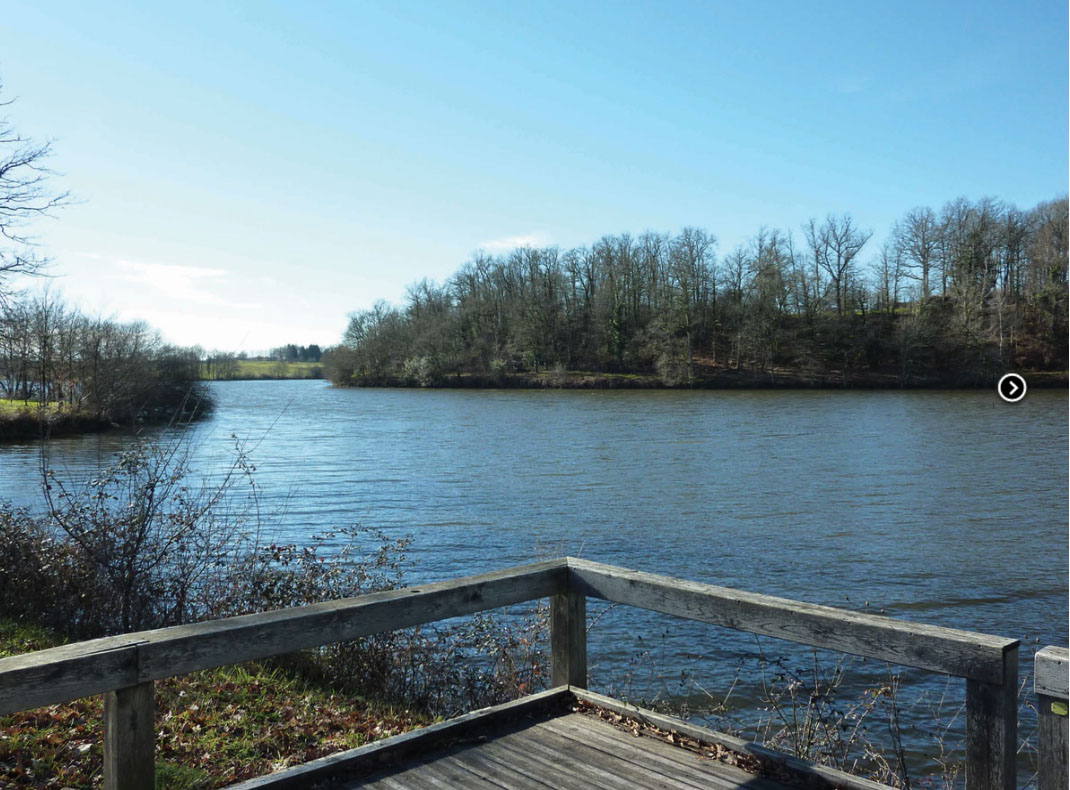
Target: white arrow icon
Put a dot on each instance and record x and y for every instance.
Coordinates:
(1011, 387)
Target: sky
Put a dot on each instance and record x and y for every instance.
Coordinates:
(248, 174)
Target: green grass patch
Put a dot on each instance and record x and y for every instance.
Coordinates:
(214, 727)
(17, 637)
(10, 409)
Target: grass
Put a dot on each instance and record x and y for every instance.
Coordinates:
(18, 408)
(213, 727)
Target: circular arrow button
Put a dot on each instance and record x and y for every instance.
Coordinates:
(1011, 387)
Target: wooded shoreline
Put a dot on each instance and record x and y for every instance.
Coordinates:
(720, 379)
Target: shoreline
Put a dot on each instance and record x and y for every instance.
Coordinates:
(24, 426)
(28, 426)
(724, 379)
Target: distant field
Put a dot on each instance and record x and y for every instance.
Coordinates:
(265, 369)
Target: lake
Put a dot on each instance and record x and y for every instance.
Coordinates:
(944, 507)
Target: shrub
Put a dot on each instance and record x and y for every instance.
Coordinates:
(140, 546)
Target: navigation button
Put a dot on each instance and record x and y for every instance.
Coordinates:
(1011, 387)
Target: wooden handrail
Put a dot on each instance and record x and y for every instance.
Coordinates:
(989, 663)
(60, 674)
(946, 650)
(126, 666)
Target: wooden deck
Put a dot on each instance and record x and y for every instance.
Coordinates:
(573, 750)
(564, 739)
(557, 750)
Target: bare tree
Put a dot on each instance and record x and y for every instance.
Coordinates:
(890, 269)
(917, 237)
(690, 274)
(24, 197)
(834, 245)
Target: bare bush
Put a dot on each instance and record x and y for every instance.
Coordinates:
(142, 544)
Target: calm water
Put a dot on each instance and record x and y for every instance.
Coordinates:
(941, 507)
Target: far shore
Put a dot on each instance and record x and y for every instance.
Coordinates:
(19, 422)
(259, 369)
(715, 379)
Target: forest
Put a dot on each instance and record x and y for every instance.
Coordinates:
(97, 369)
(954, 296)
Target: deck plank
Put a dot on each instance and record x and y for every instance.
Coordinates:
(504, 771)
(640, 774)
(667, 759)
(568, 752)
(570, 765)
(438, 772)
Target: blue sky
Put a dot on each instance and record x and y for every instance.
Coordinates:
(247, 174)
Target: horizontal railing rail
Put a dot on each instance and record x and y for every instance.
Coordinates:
(946, 650)
(69, 672)
(125, 667)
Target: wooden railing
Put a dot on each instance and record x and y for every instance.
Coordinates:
(125, 667)
(1051, 682)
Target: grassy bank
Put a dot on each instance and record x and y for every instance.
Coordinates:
(32, 420)
(213, 728)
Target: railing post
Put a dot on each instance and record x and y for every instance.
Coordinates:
(992, 729)
(1052, 685)
(568, 639)
(129, 738)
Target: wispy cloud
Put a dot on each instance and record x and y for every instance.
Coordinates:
(196, 284)
(513, 242)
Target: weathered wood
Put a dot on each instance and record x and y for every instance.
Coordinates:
(1052, 686)
(375, 755)
(60, 674)
(1052, 672)
(499, 773)
(176, 651)
(129, 738)
(131, 662)
(1052, 743)
(594, 743)
(564, 752)
(947, 650)
(459, 774)
(667, 762)
(537, 750)
(992, 729)
(568, 639)
(810, 774)
(527, 748)
(421, 775)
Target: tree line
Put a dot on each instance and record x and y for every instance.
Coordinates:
(955, 295)
(111, 371)
(294, 353)
(97, 369)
